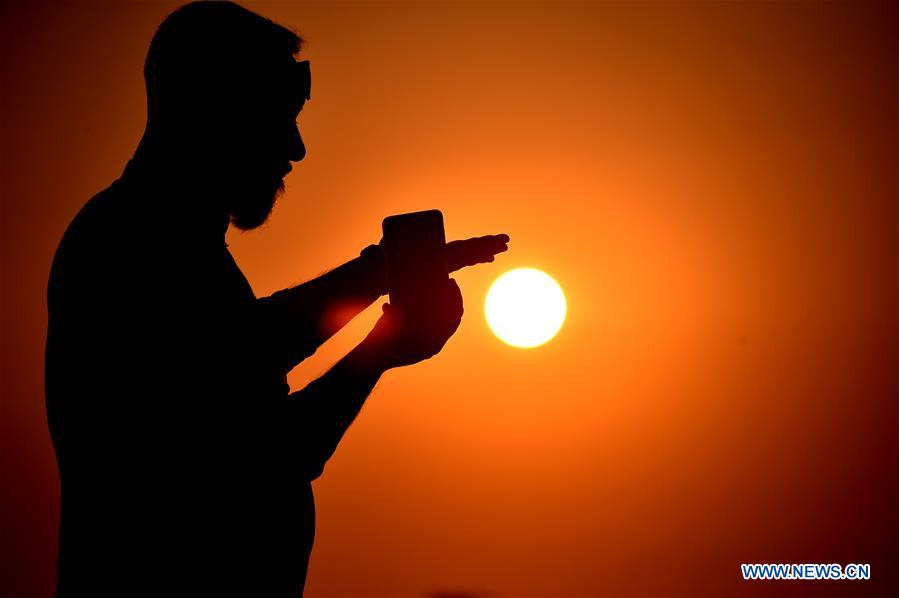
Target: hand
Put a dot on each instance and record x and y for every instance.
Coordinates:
(398, 339)
(459, 254)
(478, 250)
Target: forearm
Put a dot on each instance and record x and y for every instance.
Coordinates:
(317, 309)
(319, 414)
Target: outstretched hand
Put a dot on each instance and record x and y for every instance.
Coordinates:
(477, 250)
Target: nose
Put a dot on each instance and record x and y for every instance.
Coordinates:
(296, 148)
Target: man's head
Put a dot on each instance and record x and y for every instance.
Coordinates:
(223, 94)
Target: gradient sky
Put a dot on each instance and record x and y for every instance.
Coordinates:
(714, 187)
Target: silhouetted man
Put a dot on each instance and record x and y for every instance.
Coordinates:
(185, 462)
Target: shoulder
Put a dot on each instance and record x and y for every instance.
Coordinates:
(102, 236)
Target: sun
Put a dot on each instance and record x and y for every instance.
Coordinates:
(525, 307)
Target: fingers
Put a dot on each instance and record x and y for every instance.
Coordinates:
(501, 241)
(492, 244)
(455, 297)
(454, 307)
(477, 250)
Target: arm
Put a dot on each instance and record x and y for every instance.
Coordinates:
(315, 310)
(315, 418)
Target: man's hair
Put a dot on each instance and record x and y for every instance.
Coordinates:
(207, 57)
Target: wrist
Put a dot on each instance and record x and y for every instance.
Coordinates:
(373, 256)
(370, 357)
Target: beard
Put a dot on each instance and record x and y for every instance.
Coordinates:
(252, 201)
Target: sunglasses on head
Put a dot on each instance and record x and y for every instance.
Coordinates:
(302, 79)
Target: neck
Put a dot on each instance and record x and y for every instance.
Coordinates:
(166, 169)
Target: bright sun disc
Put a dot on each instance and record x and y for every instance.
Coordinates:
(525, 307)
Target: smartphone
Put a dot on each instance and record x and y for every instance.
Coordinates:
(415, 260)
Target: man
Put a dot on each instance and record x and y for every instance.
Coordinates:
(184, 459)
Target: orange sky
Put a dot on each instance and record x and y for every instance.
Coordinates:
(714, 186)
